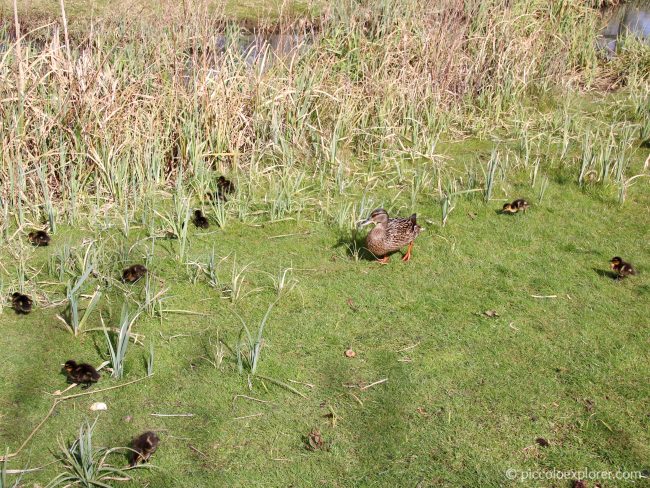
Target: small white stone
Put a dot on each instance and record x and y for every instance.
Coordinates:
(98, 406)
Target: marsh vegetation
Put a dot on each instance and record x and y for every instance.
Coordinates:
(233, 345)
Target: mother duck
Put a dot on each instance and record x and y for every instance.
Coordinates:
(390, 235)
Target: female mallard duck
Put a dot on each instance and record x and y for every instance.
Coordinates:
(143, 447)
(200, 220)
(21, 303)
(621, 268)
(516, 206)
(39, 238)
(133, 273)
(82, 374)
(390, 235)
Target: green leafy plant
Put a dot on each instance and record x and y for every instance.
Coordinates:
(74, 322)
(117, 351)
(248, 349)
(85, 465)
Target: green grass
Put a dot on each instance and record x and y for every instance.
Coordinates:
(459, 408)
(446, 111)
(83, 11)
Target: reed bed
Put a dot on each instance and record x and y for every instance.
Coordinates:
(141, 109)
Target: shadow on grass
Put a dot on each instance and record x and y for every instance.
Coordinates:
(606, 273)
(354, 245)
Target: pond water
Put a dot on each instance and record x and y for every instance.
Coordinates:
(632, 18)
(264, 47)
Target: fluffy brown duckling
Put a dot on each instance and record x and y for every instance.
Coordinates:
(390, 235)
(39, 238)
(200, 220)
(224, 187)
(82, 374)
(21, 303)
(521, 204)
(133, 273)
(143, 447)
(516, 206)
(621, 268)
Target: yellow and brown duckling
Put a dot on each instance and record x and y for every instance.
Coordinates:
(39, 238)
(621, 268)
(516, 206)
(82, 374)
(21, 303)
(200, 220)
(133, 273)
(390, 235)
(143, 447)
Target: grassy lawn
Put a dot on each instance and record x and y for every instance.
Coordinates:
(504, 344)
(465, 397)
(81, 11)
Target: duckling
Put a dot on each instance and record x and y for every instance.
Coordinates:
(621, 268)
(521, 204)
(39, 238)
(200, 220)
(516, 206)
(133, 273)
(143, 447)
(21, 303)
(83, 374)
(390, 235)
(224, 187)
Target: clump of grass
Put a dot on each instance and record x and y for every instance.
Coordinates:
(248, 348)
(117, 351)
(490, 174)
(446, 207)
(234, 288)
(74, 321)
(86, 465)
(284, 282)
(4, 481)
(150, 360)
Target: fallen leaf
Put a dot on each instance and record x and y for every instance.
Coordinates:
(472, 215)
(314, 440)
(542, 442)
(98, 406)
(579, 484)
(491, 313)
(352, 305)
(422, 411)
(350, 353)
(127, 419)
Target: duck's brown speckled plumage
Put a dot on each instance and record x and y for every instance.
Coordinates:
(83, 374)
(390, 235)
(621, 268)
(39, 238)
(133, 273)
(516, 206)
(21, 303)
(200, 220)
(143, 447)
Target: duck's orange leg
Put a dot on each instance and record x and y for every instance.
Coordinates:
(383, 260)
(407, 257)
